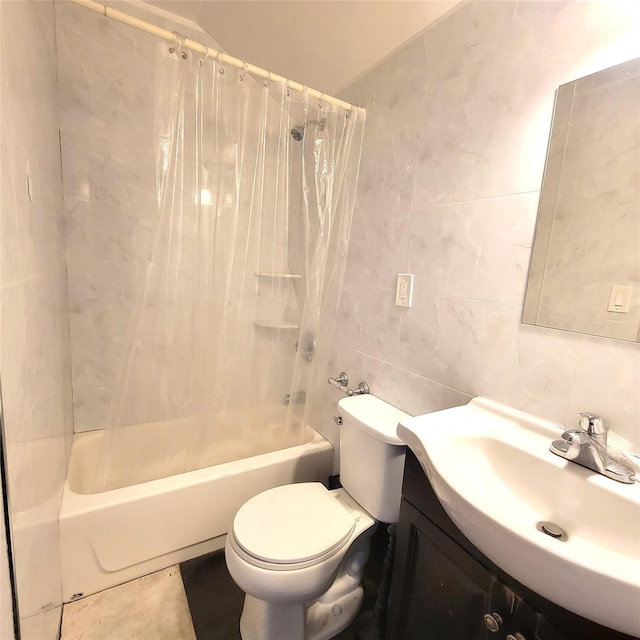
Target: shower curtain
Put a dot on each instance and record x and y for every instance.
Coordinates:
(255, 186)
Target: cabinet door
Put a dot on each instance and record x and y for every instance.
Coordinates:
(439, 592)
(525, 623)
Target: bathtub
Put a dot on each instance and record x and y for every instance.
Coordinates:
(111, 537)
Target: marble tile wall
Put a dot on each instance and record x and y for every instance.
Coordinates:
(34, 334)
(455, 143)
(106, 119)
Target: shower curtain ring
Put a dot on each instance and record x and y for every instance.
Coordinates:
(245, 71)
(173, 44)
(178, 38)
(178, 43)
(267, 81)
(218, 62)
(205, 54)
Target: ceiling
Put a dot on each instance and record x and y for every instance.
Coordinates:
(324, 44)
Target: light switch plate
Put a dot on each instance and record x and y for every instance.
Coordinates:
(619, 298)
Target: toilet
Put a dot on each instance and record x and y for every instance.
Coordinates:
(298, 551)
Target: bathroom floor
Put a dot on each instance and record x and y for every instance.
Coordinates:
(196, 600)
(152, 607)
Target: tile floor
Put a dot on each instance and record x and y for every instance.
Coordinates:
(196, 600)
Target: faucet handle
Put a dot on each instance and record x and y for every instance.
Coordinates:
(594, 427)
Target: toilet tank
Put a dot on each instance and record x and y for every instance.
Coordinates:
(372, 455)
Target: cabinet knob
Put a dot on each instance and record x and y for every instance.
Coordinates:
(492, 621)
(517, 636)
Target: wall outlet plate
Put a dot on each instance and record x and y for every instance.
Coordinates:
(404, 289)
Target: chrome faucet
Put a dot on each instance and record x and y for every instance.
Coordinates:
(587, 446)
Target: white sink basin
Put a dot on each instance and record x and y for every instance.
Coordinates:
(492, 471)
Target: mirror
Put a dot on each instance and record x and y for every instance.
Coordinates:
(584, 274)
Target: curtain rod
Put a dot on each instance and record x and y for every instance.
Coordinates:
(125, 18)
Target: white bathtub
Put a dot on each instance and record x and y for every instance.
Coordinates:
(111, 537)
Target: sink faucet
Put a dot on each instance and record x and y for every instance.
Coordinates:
(587, 446)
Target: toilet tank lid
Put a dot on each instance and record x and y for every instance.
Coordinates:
(375, 416)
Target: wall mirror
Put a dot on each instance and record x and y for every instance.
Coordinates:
(584, 274)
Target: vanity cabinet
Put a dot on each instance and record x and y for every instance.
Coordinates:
(443, 588)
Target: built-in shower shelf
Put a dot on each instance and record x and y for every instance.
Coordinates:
(290, 276)
(276, 326)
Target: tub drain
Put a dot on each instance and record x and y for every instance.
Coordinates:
(553, 530)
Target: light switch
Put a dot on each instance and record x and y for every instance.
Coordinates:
(404, 290)
(619, 298)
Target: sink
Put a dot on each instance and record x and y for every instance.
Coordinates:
(492, 471)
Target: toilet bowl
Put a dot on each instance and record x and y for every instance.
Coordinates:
(298, 551)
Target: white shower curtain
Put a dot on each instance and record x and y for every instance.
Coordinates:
(228, 348)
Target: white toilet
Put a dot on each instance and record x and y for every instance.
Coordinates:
(298, 551)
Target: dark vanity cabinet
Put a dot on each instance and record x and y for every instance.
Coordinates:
(443, 588)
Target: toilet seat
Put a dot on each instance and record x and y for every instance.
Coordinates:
(292, 526)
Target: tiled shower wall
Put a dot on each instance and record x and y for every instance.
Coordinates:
(454, 152)
(34, 336)
(106, 72)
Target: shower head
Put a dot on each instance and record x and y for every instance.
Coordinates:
(297, 133)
